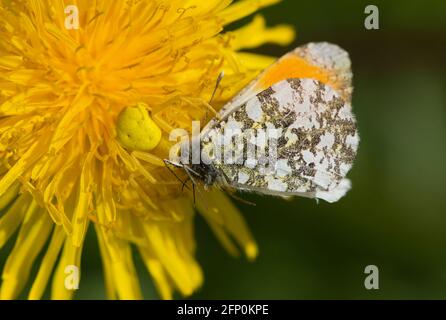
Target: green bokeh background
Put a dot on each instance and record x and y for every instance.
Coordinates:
(395, 215)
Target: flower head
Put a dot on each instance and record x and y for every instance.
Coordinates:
(65, 164)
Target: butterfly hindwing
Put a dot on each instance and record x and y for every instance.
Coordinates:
(313, 141)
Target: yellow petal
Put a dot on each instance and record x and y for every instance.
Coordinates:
(32, 236)
(9, 195)
(71, 256)
(123, 273)
(10, 62)
(243, 8)
(230, 220)
(47, 264)
(158, 273)
(256, 34)
(11, 220)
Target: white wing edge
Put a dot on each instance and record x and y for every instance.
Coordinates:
(335, 194)
(331, 196)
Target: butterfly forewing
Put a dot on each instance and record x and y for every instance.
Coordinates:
(322, 61)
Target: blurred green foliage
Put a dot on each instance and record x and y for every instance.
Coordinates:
(395, 215)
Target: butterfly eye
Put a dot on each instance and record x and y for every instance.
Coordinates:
(136, 130)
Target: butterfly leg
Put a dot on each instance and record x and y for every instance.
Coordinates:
(169, 163)
(232, 194)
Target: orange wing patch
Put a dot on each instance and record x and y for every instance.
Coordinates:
(321, 61)
(325, 62)
(291, 66)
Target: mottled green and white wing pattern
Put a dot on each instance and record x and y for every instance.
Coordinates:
(314, 142)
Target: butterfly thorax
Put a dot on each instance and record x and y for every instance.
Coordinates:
(206, 173)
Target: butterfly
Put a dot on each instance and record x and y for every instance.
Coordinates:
(304, 99)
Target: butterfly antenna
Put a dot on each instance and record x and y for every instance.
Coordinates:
(217, 84)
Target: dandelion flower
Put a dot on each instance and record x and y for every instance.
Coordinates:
(65, 165)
